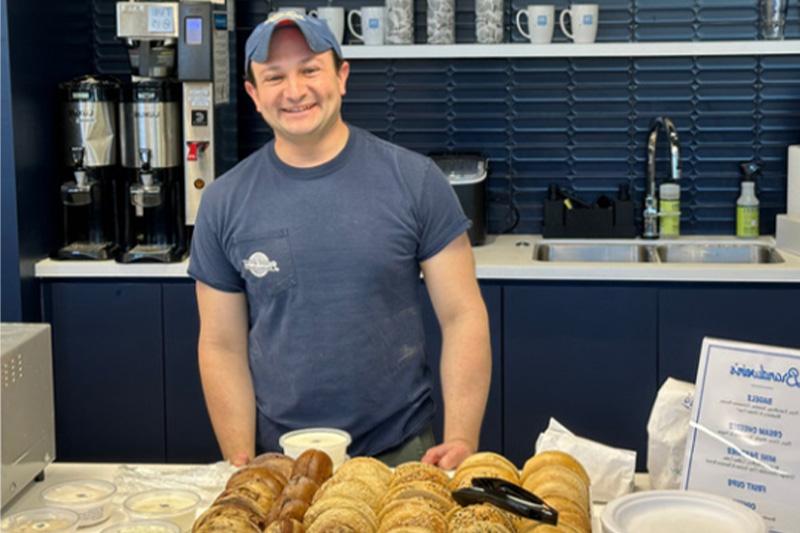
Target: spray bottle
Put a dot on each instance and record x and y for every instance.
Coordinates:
(747, 224)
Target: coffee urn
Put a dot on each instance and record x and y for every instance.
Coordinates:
(151, 154)
(90, 199)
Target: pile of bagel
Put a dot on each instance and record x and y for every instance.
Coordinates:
(562, 482)
(276, 494)
(271, 494)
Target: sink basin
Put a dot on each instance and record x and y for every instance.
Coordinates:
(718, 253)
(596, 252)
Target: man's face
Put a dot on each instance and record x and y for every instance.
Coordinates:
(299, 93)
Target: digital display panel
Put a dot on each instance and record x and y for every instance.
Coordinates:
(159, 19)
(194, 30)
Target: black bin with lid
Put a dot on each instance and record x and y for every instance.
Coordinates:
(467, 174)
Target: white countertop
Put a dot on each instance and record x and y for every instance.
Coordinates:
(30, 497)
(507, 257)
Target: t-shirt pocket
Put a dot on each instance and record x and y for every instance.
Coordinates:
(265, 262)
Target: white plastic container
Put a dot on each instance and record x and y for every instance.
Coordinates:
(90, 498)
(332, 441)
(673, 511)
(172, 505)
(42, 520)
(143, 526)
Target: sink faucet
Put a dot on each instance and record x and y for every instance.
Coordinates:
(650, 200)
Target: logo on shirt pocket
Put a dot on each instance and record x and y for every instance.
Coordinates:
(259, 264)
(266, 262)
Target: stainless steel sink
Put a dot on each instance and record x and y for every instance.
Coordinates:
(718, 253)
(596, 252)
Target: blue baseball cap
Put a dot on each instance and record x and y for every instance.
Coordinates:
(316, 31)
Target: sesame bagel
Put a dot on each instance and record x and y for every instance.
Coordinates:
(417, 471)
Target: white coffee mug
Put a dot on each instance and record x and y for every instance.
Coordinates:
(334, 17)
(372, 24)
(541, 21)
(583, 19)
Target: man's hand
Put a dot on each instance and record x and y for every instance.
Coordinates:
(448, 455)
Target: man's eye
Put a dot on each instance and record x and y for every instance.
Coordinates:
(310, 70)
(272, 79)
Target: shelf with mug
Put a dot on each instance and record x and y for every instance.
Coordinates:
(602, 49)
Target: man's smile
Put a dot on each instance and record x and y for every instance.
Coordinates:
(298, 109)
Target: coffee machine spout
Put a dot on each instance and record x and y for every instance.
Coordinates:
(78, 192)
(146, 192)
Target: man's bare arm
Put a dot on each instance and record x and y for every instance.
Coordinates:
(225, 372)
(466, 364)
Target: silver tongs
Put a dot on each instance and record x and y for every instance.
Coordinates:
(508, 497)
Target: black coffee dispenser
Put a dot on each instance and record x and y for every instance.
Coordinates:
(90, 200)
(151, 154)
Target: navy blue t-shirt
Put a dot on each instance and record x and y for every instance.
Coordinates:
(329, 259)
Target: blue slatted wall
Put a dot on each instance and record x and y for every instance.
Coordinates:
(579, 122)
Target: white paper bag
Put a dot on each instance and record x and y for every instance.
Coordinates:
(667, 430)
(611, 470)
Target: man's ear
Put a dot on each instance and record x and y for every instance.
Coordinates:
(252, 92)
(343, 74)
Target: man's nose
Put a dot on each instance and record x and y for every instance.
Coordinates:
(296, 87)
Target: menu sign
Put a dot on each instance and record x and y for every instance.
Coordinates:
(744, 435)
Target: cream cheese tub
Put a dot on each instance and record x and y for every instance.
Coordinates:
(172, 505)
(332, 441)
(143, 526)
(42, 520)
(90, 498)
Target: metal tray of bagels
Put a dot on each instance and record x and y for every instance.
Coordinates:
(486, 494)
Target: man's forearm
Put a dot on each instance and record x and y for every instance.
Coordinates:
(466, 375)
(228, 389)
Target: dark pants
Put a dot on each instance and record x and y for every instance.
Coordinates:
(411, 450)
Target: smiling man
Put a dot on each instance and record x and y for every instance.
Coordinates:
(307, 257)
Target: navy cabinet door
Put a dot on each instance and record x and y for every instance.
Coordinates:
(764, 313)
(492, 429)
(190, 438)
(584, 354)
(108, 370)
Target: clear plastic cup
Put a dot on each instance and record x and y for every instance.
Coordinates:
(90, 498)
(173, 505)
(41, 520)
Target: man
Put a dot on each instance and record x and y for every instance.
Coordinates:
(307, 257)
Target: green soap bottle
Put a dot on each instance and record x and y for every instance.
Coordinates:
(669, 209)
(747, 222)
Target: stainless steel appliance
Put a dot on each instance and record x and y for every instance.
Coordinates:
(154, 220)
(26, 415)
(90, 200)
(172, 144)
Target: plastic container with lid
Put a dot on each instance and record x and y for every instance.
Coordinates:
(90, 498)
(42, 520)
(332, 441)
(143, 526)
(173, 505)
(671, 511)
